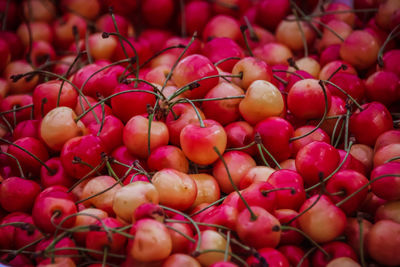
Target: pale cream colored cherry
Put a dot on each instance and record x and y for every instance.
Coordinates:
(58, 126)
(176, 189)
(152, 241)
(131, 196)
(262, 100)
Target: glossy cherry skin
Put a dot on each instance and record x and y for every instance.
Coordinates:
(221, 48)
(167, 157)
(18, 194)
(260, 232)
(200, 67)
(336, 250)
(130, 104)
(238, 163)
(136, 137)
(288, 199)
(87, 149)
(315, 159)
(388, 186)
(240, 134)
(368, 119)
(29, 163)
(51, 209)
(347, 181)
(324, 221)
(177, 189)
(271, 256)
(110, 132)
(97, 240)
(257, 195)
(275, 133)
(385, 253)
(294, 254)
(223, 111)
(198, 142)
(289, 237)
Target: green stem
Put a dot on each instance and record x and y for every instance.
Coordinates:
(253, 217)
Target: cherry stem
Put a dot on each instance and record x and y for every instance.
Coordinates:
(5, 14)
(322, 119)
(179, 58)
(66, 75)
(339, 134)
(392, 159)
(9, 126)
(259, 143)
(87, 176)
(320, 193)
(241, 148)
(287, 227)
(303, 36)
(290, 72)
(344, 92)
(262, 155)
(180, 232)
(196, 227)
(304, 17)
(334, 172)
(30, 154)
(15, 108)
(361, 237)
(252, 33)
(13, 254)
(194, 84)
(243, 29)
(113, 174)
(346, 132)
(209, 206)
(308, 253)
(382, 49)
(98, 193)
(228, 242)
(226, 59)
(123, 38)
(105, 254)
(51, 74)
(195, 110)
(341, 67)
(266, 192)
(363, 187)
(280, 80)
(253, 217)
(236, 242)
(21, 172)
(111, 96)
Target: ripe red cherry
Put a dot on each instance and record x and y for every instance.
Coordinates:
(258, 232)
(17, 194)
(221, 48)
(315, 160)
(127, 105)
(198, 142)
(275, 133)
(375, 117)
(51, 91)
(387, 187)
(81, 152)
(192, 68)
(306, 99)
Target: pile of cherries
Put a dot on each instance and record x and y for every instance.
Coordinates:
(200, 133)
